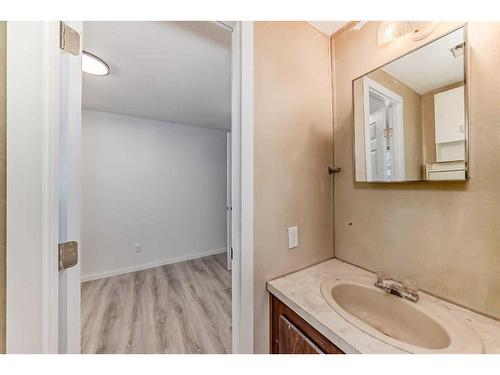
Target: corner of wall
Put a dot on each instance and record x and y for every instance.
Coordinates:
(3, 126)
(333, 93)
(293, 149)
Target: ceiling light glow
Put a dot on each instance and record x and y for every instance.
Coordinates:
(92, 64)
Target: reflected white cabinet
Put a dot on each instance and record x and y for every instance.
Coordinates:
(449, 117)
(453, 170)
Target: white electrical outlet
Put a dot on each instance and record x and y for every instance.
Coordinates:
(293, 237)
(138, 248)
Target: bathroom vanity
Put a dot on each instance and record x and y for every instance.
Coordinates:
(313, 312)
(410, 123)
(290, 334)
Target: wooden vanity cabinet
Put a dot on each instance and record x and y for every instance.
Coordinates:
(290, 334)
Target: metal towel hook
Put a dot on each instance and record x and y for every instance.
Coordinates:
(332, 169)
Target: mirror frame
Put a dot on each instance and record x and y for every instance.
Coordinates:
(466, 108)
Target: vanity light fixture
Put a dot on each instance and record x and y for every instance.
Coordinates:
(359, 25)
(389, 31)
(94, 65)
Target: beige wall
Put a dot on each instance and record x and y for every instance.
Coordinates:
(445, 235)
(412, 107)
(293, 148)
(359, 129)
(428, 129)
(3, 62)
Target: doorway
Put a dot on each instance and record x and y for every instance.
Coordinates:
(155, 189)
(384, 133)
(33, 279)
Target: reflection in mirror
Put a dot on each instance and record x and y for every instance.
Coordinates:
(410, 116)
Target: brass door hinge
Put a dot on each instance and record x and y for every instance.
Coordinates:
(69, 39)
(68, 254)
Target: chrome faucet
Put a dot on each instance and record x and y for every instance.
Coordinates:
(406, 289)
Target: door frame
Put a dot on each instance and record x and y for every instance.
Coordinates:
(242, 129)
(370, 85)
(69, 296)
(32, 186)
(35, 192)
(50, 187)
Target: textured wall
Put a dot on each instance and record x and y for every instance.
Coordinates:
(445, 235)
(293, 148)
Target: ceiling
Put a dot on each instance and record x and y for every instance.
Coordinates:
(328, 27)
(430, 67)
(177, 72)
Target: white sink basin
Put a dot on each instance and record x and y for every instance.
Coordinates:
(422, 327)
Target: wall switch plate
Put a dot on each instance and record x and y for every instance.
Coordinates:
(293, 237)
(138, 248)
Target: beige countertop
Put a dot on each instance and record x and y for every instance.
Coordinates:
(301, 292)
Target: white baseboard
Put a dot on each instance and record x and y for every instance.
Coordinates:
(145, 266)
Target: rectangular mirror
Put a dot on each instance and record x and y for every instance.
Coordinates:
(410, 116)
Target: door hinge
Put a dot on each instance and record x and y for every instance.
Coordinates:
(232, 253)
(69, 39)
(68, 255)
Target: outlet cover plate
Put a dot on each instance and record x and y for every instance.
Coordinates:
(293, 237)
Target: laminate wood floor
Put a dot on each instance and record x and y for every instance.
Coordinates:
(178, 308)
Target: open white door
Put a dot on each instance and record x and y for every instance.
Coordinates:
(69, 193)
(43, 157)
(384, 133)
(376, 147)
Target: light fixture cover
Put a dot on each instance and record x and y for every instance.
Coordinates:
(94, 65)
(391, 30)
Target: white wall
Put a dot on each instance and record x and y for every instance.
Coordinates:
(159, 184)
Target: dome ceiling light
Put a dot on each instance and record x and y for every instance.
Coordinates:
(94, 65)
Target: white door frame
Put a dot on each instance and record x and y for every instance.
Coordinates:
(32, 186)
(242, 185)
(370, 85)
(70, 110)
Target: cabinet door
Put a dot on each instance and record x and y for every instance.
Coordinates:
(290, 334)
(449, 115)
(292, 341)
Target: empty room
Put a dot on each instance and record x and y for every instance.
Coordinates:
(156, 122)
